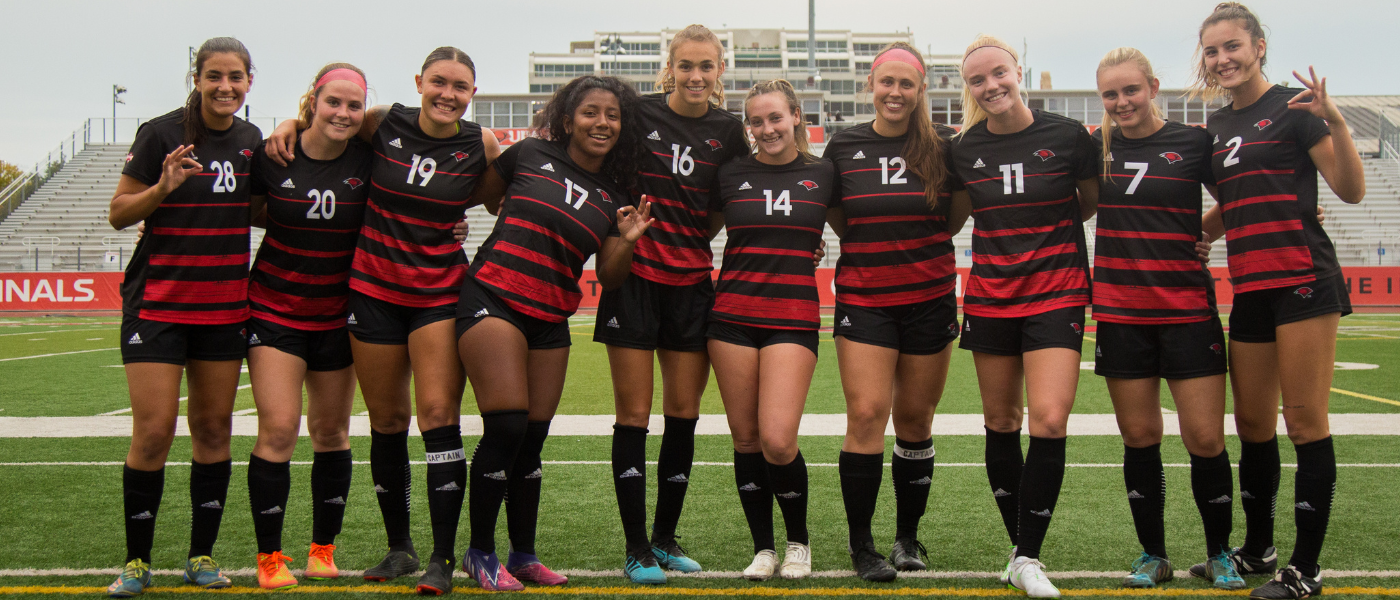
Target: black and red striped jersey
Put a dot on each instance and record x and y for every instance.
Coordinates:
(1028, 251)
(301, 278)
(679, 180)
(191, 265)
(1267, 187)
(553, 217)
(1146, 271)
(419, 190)
(774, 216)
(896, 249)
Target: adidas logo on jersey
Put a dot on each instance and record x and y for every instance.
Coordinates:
(288, 184)
(1223, 499)
(396, 143)
(214, 504)
(536, 474)
(979, 164)
(336, 500)
(631, 472)
(859, 155)
(143, 515)
(351, 320)
(1304, 506)
(1041, 513)
(450, 486)
(547, 167)
(276, 510)
(790, 495)
(1134, 495)
(480, 313)
(379, 489)
(745, 186)
(749, 487)
(654, 136)
(1217, 138)
(678, 478)
(135, 339)
(845, 321)
(498, 475)
(613, 323)
(253, 341)
(925, 480)
(1000, 493)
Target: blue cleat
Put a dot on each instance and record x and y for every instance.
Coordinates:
(204, 572)
(642, 567)
(133, 581)
(670, 555)
(1148, 571)
(1221, 572)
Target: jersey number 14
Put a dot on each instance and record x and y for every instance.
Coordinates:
(783, 203)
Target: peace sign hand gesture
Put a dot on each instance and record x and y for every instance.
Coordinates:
(633, 222)
(177, 167)
(1315, 100)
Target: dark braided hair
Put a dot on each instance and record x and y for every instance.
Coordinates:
(625, 159)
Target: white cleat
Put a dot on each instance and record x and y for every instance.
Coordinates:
(1028, 575)
(797, 561)
(1005, 577)
(762, 567)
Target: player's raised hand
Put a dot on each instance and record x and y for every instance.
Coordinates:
(177, 167)
(1314, 100)
(279, 145)
(633, 222)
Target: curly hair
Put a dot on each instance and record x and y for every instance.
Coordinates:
(625, 159)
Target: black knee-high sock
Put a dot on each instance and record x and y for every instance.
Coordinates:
(141, 492)
(756, 496)
(860, 488)
(523, 490)
(1147, 489)
(447, 482)
(269, 483)
(673, 475)
(502, 432)
(330, 485)
(1004, 466)
(789, 484)
(1040, 489)
(629, 466)
(1211, 486)
(1313, 490)
(388, 467)
(208, 495)
(911, 468)
(1259, 470)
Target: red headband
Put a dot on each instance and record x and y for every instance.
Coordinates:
(342, 74)
(898, 55)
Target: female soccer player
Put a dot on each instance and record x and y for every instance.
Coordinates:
(1154, 302)
(512, 319)
(1270, 143)
(896, 312)
(661, 308)
(298, 293)
(1030, 180)
(404, 280)
(763, 329)
(185, 302)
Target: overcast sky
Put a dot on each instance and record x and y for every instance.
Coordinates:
(59, 59)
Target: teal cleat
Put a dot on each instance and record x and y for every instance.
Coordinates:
(670, 555)
(1220, 570)
(1148, 571)
(642, 567)
(204, 572)
(133, 581)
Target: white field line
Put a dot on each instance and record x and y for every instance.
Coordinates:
(56, 354)
(122, 411)
(56, 331)
(652, 462)
(833, 574)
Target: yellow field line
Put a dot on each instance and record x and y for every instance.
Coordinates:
(1364, 396)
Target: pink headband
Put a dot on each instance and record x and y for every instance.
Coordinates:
(898, 55)
(342, 74)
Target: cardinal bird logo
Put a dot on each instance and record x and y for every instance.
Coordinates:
(129, 156)
(606, 197)
(714, 144)
(354, 182)
(953, 328)
(1216, 348)
(1172, 157)
(1304, 292)
(246, 153)
(459, 155)
(808, 183)
(1077, 328)
(1044, 154)
(1262, 124)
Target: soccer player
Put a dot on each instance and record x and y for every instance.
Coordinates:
(1154, 302)
(662, 306)
(896, 312)
(561, 198)
(404, 281)
(763, 329)
(297, 337)
(185, 303)
(1270, 143)
(1030, 181)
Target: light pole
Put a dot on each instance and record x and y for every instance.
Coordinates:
(117, 91)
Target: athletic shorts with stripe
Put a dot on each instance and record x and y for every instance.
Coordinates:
(144, 340)
(760, 337)
(1059, 328)
(647, 315)
(1174, 351)
(477, 303)
(1256, 314)
(327, 350)
(921, 329)
(374, 321)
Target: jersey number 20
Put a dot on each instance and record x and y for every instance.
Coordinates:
(322, 204)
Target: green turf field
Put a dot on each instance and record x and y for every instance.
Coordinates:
(67, 516)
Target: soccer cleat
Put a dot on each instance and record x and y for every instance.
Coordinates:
(273, 573)
(1245, 564)
(135, 578)
(1005, 577)
(1148, 571)
(797, 561)
(1028, 575)
(670, 555)
(643, 567)
(204, 572)
(527, 567)
(908, 554)
(486, 569)
(1289, 584)
(1221, 571)
(396, 563)
(869, 565)
(762, 567)
(320, 562)
(437, 579)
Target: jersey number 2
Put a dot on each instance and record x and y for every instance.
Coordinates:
(1234, 145)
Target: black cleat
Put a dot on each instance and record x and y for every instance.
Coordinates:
(437, 580)
(1289, 584)
(395, 564)
(871, 565)
(908, 554)
(1245, 564)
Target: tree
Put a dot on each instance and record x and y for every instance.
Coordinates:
(9, 173)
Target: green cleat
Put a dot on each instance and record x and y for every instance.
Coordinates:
(1148, 571)
(204, 572)
(133, 581)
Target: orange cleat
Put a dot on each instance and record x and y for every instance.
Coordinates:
(273, 573)
(320, 564)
